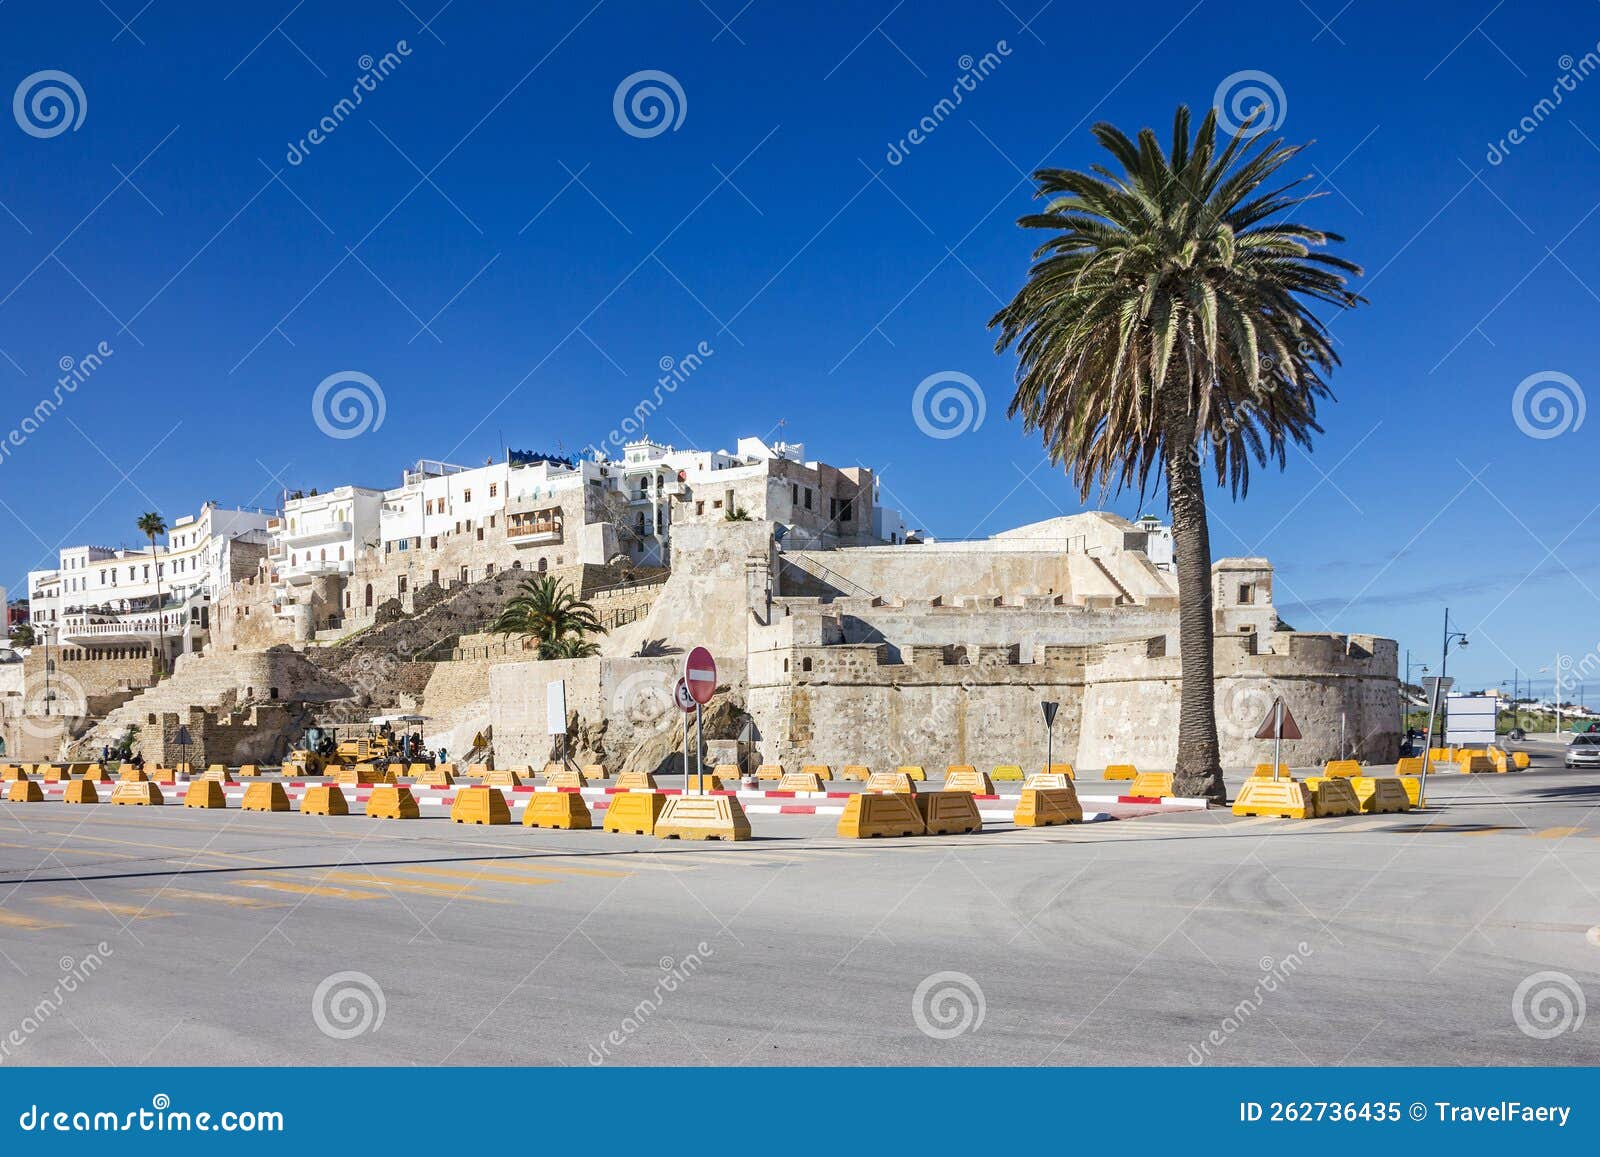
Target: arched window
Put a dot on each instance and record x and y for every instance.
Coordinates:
(544, 565)
(369, 594)
(805, 664)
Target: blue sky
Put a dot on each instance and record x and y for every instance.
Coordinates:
(484, 240)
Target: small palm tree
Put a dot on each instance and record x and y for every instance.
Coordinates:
(737, 514)
(1165, 325)
(152, 526)
(569, 647)
(548, 611)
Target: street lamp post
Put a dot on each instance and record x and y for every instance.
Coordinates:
(1404, 712)
(1444, 659)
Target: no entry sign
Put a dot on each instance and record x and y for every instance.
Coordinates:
(700, 675)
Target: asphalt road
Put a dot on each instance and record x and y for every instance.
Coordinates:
(193, 937)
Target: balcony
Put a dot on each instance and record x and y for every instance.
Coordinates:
(325, 532)
(534, 528)
(305, 572)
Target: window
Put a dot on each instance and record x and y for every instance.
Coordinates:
(794, 493)
(433, 542)
(466, 496)
(400, 585)
(544, 565)
(808, 498)
(716, 504)
(1247, 593)
(805, 664)
(699, 507)
(369, 594)
(494, 488)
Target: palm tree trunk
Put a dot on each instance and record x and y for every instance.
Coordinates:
(161, 634)
(1198, 770)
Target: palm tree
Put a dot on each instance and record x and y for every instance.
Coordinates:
(1166, 326)
(547, 610)
(569, 647)
(152, 525)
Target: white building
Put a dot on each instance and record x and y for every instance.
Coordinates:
(322, 534)
(103, 597)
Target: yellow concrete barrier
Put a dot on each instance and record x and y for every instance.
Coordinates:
(97, 774)
(637, 781)
(1061, 769)
(217, 771)
(800, 781)
(891, 781)
(557, 809)
(634, 813)
(25, 791)
(1410, 765)
(1264, 770)
(1332, 795)
(557, 776)
(1043, 807)
(1442, 754)
(416, 770)
(441, 776)
(131, 774)
(726, 773)
(1043, 780)
(1342, 768)
(869, 814)
(501, 777)
(1380, 794)
(362, 775)
(137, 793)
(1413, 786)
(1274, 797)
(10, 773)
(54, 774)
(1121, 771)
(1008, 772)
(1152, 784)
(324, 799)
(480, 804)
(77, 769)
(82, 791)
(946, 813)
(965, 777)
(703, 817)
(1520, 758)
(205, 793)
(1469, 764)
(249, 770)
(772, 771)
(913, 771)
(594, 771)
(392, 801)
(167, 775)
(265, 795)
(821, 770)
(857, 772)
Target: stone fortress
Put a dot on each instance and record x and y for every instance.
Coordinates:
(841, 637)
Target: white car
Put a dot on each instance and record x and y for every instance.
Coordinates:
(1583, 751)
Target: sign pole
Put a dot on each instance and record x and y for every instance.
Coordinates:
(699, 752)
(1277, 737)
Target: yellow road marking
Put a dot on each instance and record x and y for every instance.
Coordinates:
(18, 920)
(541, 866)
(454, 891)
(308, 890)
(89, 904)
(1556, 833)
(146, 845)
(215, 898)
(476, 877)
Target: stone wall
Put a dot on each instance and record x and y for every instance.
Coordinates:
(617, 704)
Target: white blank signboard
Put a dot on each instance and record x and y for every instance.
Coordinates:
(1471, 720)
(555, 707)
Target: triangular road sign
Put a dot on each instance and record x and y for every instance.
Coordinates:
(1270, 726)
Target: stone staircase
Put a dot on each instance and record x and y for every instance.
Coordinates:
(198, 680)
